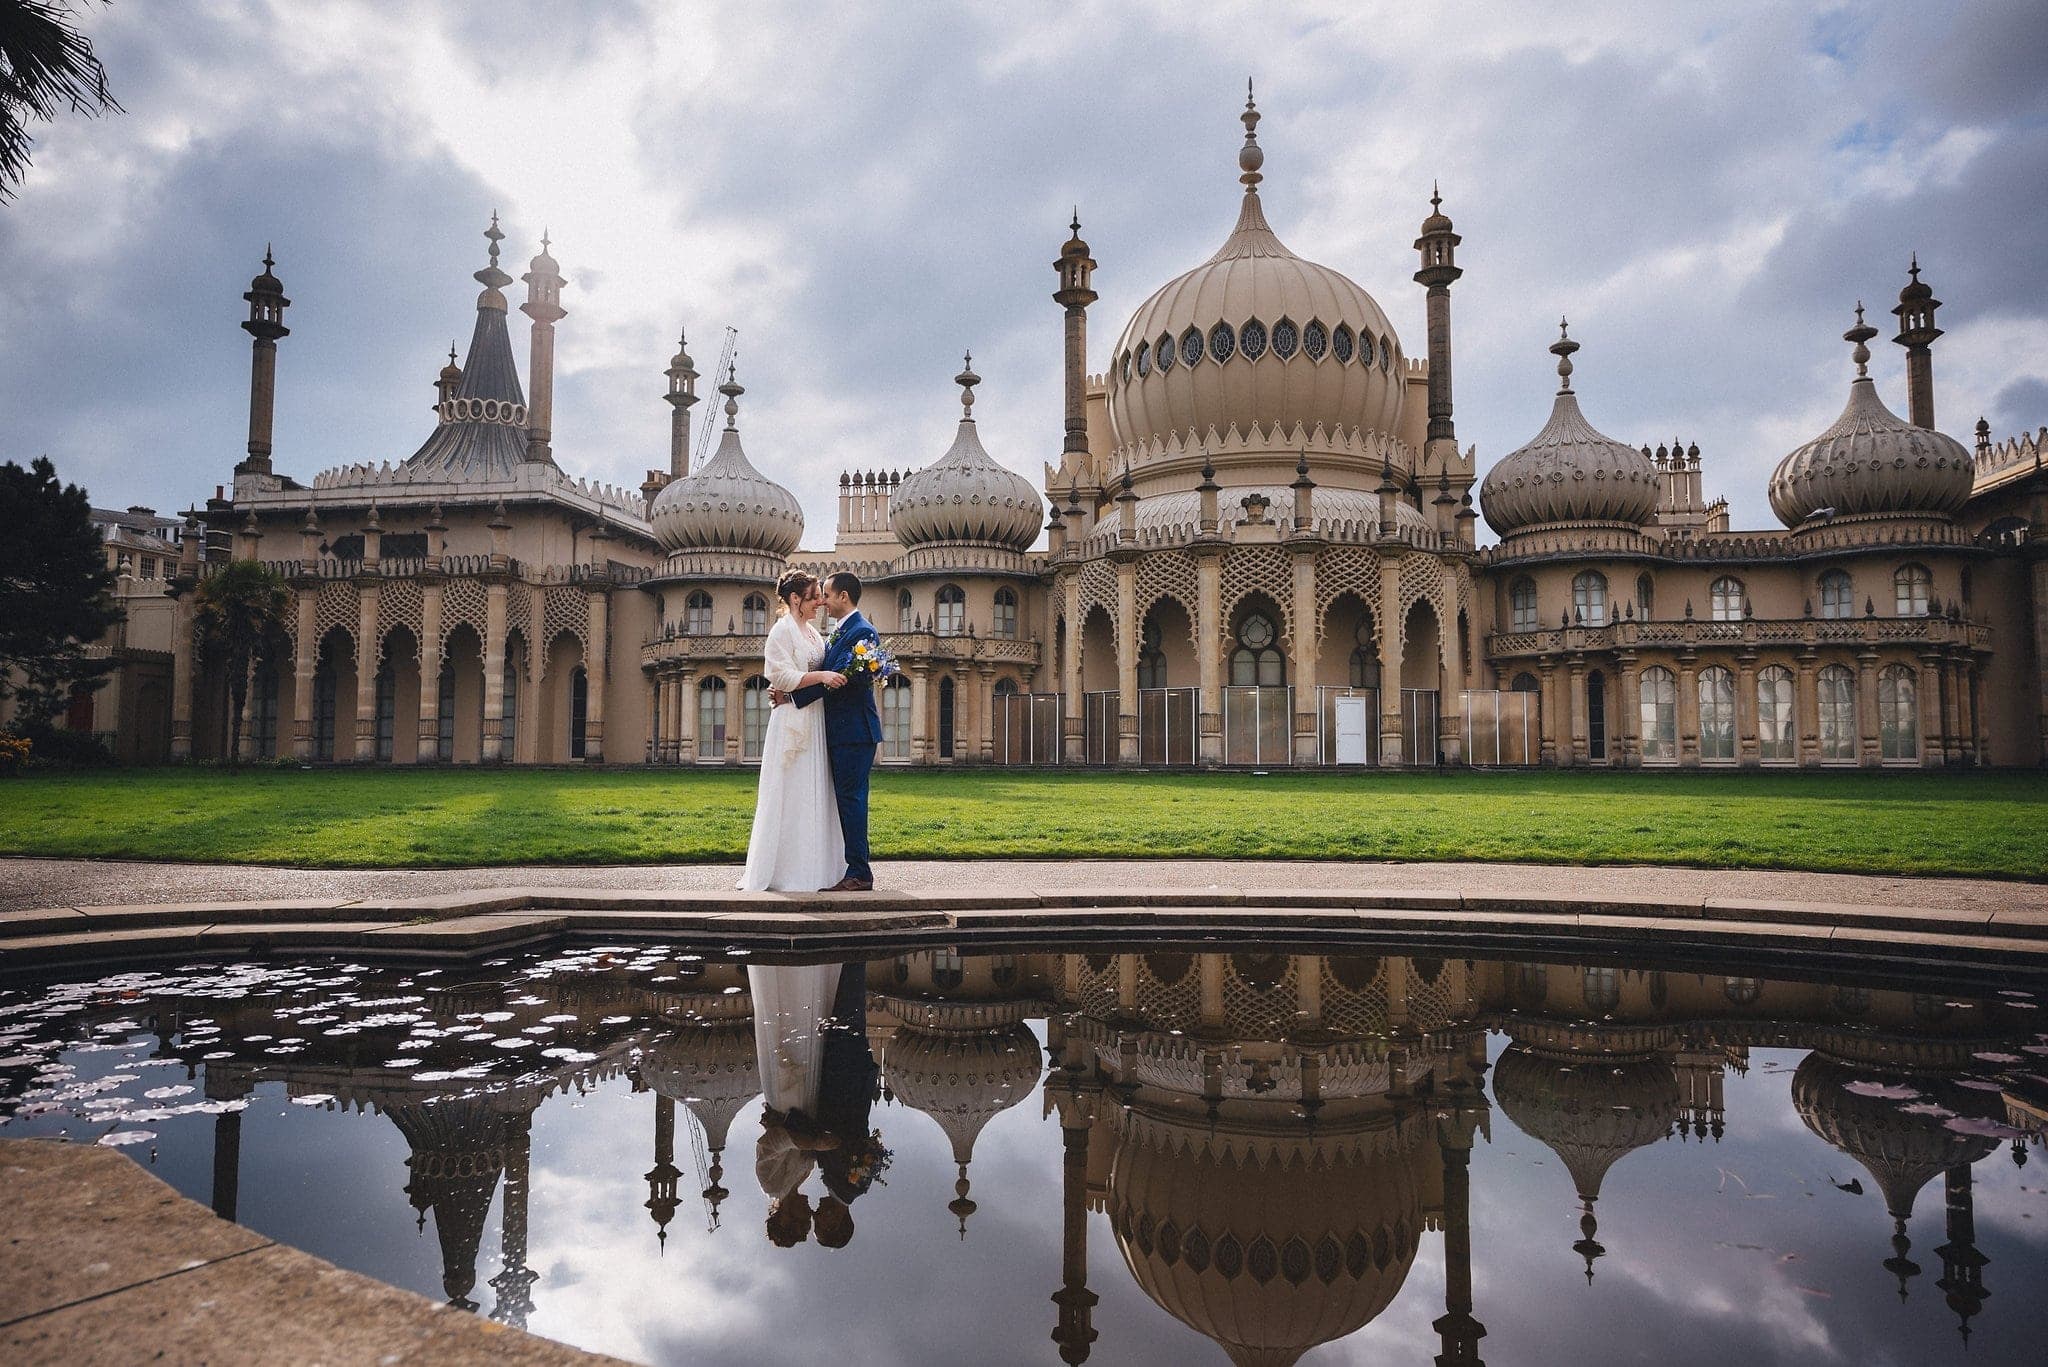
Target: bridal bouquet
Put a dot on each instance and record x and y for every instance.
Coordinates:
(871, 663)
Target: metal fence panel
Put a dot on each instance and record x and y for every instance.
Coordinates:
(1166, 725)
(1256, 725)
(1501, 728)
(1098, 728)
(1419, 727)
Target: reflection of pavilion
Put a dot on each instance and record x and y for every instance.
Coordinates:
(710, 1068)
(1269, 1136)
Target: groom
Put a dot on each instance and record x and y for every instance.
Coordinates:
(853, 728)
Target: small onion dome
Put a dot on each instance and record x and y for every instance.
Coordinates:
(1438, 221)
(1858, 1110)
(727, 504)
(964, 496)
(1569, 473)
(451, 373)
(266, 283)
(1590, 1110)
(1871, 461)
(711, 1069)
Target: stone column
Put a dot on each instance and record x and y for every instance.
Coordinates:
(1748, 746)
(1868, 749)
(430, 672)
(494, 674)
(1576, 682)
(182, 664)
(1552, 736)
(1806, 706)
(1966, 699)
(1624, 741)
(1933, 751)
(530, 708)
(1390, 625)
(1952, 710)
(921, 747)
(1209, 655)
(1451, 700)
(985, 707)
(1689, 711)
(1303, 649)
(1210, 968)
(657, 714)
(733, 718)
(1130, 632)
(369, 655)
(305, 661)
(1072, 739)
(597, 677)
(686, 714)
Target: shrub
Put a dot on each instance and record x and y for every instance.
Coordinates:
(14, 751)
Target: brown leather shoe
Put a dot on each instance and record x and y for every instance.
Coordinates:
(850, 884)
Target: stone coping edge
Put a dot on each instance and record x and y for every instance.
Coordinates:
(469, 924)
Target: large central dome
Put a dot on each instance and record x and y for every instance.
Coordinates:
(1254, 339)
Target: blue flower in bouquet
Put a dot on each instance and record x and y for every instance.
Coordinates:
(871, 662)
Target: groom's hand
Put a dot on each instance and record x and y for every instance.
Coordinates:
(776, 697)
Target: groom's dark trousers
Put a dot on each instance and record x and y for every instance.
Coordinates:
(853, 728)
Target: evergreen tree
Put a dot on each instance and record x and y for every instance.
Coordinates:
(239, 623)
(56, 593)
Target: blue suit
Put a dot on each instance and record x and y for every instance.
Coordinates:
(853, 728)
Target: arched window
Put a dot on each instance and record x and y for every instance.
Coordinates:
(1659, 706)
(711, 719)
(952, 614)
(1365, 657)
(1005, 687)
(1589, 598)
(754, 615)
(896, 718)
(1251, 340)
(1525, 682)
(1522, 603)
(946, 710)
(947, 970)
(1600, 988)
(508, 727)
(1151, 655)
(1286, 339)
(697, 613)
(579, 710)
(1315, 340)
(754, 710)
(1837, 595)
(1725, 599)
(1776, 733)
(1596, 717)
(1646, 596)
(1364, 349)
(444, 739)
(325, 698)
(1389, 352)
(1144, 358)
(262, 711)
(1127, 367)
(387, 709)
(1342, 344)
(1191, 347)
(1717, 713)
(1898, 713)
(903, 610)
(1911, 585)
(1837, 713)
(1257, 660)
(1164, 351)
(1006, 614)
(1221, 343)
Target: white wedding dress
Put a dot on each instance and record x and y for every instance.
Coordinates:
(796, 845)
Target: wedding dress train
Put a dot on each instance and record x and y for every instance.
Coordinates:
(797, 844)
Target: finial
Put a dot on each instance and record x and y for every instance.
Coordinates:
(732, 389)
(495, 236)
(544, 242)
(451, 353)
(1076, 224)
(1436, 195)
(1914, 269)
(1860, 335)
(1563, 348)
(967, 379)
(267, 262)
(1250, 157)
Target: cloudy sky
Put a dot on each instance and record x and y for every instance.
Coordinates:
(867, 191)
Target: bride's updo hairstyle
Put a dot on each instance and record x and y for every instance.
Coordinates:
(795, 583)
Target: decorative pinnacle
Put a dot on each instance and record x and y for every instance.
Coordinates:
(495, 236)
(1860, 335)
(1250, 157)
(1076, 224)
(491, 277)
(1914, 269)
(1563, 348)
(1436, 196)
(544, 242)
(967, 379)
(267, 262)
(732, 389)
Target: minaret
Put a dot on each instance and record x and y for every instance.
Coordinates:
(1075, 1331)
(544, 305)
(662, 1177)
(1916, 334)
(266, 324)
(1076, 269)
(1962, 1262)
(1439, 248)
(682, 396)
(514, 1282)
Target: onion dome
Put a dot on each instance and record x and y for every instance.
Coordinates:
(1870, 461)
(711, 1069)
(267, 283)
(451, 374)
(1255, 338)
(964, 497)
(728, 505)
(1266, 1254)
(1569, 472)
(963, 1081)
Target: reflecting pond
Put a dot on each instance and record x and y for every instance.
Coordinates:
(1161, 1155)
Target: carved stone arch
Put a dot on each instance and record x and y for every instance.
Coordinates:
(1422, 578)
(335, 609)
(1258, 569)
(1098, 589)
(1185, 602)
(1346, 569)
(398, 605)
(566, 607)
(519, 611)
(1167, 574)
(463, 603)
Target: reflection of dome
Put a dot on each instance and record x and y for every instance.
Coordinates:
(962, 1081)
(1569, 472)
(727, 505)
(1901, 1151)
(1268, 1255)
(1590, 1112)
(1871, 461)
(711, 1070)
(1255, 338)
(964, 496)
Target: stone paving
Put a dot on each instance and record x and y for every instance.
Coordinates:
(27, 883)
(100, 1262)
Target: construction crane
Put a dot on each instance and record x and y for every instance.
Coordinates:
(732, 341)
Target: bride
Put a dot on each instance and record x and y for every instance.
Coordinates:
(797, 845)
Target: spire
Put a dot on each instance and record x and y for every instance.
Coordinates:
(732, 389)
(491, 277)
(1860, 335)
(1563, 348)
(967, 379)
(1251, 156)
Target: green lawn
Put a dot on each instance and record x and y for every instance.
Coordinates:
(1993, 824)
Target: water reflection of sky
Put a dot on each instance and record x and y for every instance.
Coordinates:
(1741, 1249)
